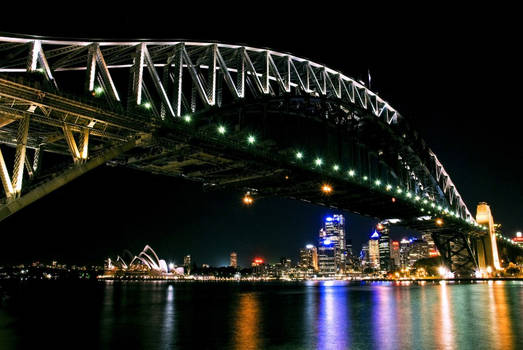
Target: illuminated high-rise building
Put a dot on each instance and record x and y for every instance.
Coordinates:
(404, 253)
(395, 253)
(384, 246)
(309, 258)
(374, 250)
(187, 264)
(234, 260)
(332, 246)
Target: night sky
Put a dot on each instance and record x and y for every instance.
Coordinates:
(454, 73)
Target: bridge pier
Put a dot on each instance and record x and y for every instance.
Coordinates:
(487, 249)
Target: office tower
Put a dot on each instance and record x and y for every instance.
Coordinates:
(384, 246)
(233, 260)
(395, 254)
(374, 250)
(309, 258)
(332, 246)
(187, 264)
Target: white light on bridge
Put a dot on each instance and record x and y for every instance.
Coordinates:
(377, 182)
(221, 129)
(187, 118)
(352, 173)
(318, 161)
(251, 139)
(388, 187)
(416, 198)
(299, 155)
(98, 90)
(399, 190)
(336, 167)
(409, 195)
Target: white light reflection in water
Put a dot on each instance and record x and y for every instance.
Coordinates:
(333, 330)
(168, 327)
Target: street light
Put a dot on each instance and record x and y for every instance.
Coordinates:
(326, 188)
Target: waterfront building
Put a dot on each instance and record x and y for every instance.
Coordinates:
(395, 254)
(364, 256)
(233, 260)
(431, 246)
(309, 258)
(419, 249)
(404, 253)
(332, 246)
(384, 246)
(374, 250)
(187, 264)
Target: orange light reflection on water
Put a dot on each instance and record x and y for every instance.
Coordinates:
(246, 328)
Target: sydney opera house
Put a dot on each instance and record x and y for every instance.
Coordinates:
(145, 265)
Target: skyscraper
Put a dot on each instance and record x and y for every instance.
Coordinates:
(234, 260)
(395, 254)
(332, 246)
(384, 246)
(309, 258)
(187, 264)
(374, 250)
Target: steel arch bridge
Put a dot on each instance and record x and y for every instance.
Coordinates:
(228, 116)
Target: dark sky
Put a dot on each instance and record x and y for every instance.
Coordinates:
(454, 73)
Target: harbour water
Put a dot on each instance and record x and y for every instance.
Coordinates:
(308, 315)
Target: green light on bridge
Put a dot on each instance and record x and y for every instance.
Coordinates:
(221, 129)
(251, 139)
(187, 118)
(336, 167)
(388, 187)
(352, 173)
(399, 190)
(377, 182)
(365, 178)
(299, 155)
(318, 161)
(98, 90)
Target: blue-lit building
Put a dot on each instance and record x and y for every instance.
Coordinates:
(332, 250)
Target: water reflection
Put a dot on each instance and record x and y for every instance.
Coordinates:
(444, 332)
(383, 316)
(499, 316)
(168, 327)
(333, 329)
(248, 323)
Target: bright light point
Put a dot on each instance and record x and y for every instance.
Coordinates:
(352, 173)
(432, 205)
(247, 199)
(489, 269)
(309, 246)
(417, 198)
(327, 189)
(409, 195)
(377, 182)
(187, 118)
(425, 201)
(327, 242)
(336, 167)
(442, 271)
(399, 190)
(41, 70)
(98, 90)
(299, 155)
(318, 161)
(365, 178)
(440, 207)
(439, 222)
(251, 139)
(221, 129)
(518, 234)
(388, 187)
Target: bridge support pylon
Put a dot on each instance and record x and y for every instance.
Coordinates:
(486, 246)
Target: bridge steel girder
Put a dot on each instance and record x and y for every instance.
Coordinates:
(457, 252)
(63, 178)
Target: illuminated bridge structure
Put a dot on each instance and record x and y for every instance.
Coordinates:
(229, 116)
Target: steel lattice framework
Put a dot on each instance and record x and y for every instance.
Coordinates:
(154, 105)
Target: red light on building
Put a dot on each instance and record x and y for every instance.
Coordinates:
(433, 253)
(395, 244)
(380, 227)
(257, 261)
